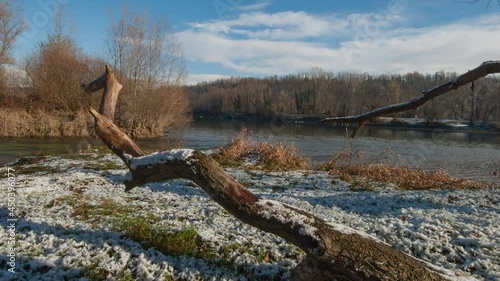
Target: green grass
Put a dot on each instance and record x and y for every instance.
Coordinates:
(125, 275)
(80, 156)
(29, 160)
(94, 271)
(101, 210)
(37, 170)
(146, 230)
(103, 166)
(140, 228)
(26, 165)
(35, 164)
(181, 243)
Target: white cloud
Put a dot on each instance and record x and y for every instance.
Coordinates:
(254, 7)
(194, 79)
(453, 47)
(253, 55)
(281, 26)
(291, 42)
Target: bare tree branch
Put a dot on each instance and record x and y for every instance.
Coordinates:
(488, 67)
(475, 1)
(11, 26)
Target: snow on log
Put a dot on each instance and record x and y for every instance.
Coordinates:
(160, 158)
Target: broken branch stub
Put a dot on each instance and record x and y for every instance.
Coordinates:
(111, 86)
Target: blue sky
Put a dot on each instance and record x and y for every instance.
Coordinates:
(276, 37)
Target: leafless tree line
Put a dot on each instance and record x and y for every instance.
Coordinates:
(320, 93)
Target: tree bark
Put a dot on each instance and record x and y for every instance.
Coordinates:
(333, 251)
(111, 86)
(106, 130)
(488, 67)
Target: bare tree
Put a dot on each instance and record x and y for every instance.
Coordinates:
(11, 26)
(149, 63)
(318, 94)
(55, 68)
(473, 95)
(352, 83)
(456, 103)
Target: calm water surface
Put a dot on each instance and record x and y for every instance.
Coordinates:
(462, 154)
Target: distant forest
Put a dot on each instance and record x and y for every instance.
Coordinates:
(318, 93)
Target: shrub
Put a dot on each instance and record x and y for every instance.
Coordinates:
(404, 177)
(280, 157)
(271, 157)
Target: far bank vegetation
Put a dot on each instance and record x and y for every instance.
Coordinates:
(42, 97)
(319, 93)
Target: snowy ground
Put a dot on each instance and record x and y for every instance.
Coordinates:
(455, 229)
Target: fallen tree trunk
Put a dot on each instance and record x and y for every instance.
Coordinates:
(488, 67)
(334, 252)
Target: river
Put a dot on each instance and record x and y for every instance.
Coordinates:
(462, 154)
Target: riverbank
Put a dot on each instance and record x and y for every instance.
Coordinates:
(41, 124)
(382, 122)
(20, 123)
(76, 221)
(427, 149)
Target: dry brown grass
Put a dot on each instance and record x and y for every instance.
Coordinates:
(405, 177)
(280, 157)
(39, 123)
(232, 154)
(271, 157)
(344, 166)
(349, 165)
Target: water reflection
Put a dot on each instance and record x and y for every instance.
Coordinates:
(462, 154)
(372, 132)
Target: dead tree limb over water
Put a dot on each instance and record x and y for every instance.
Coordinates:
(488, 67)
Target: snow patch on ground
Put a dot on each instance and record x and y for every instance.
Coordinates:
(453, 229)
